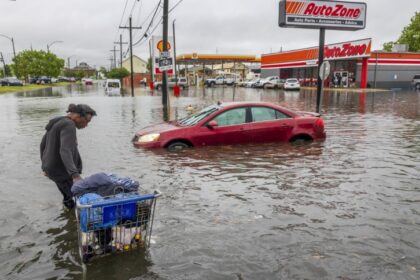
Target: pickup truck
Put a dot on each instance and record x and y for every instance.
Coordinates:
(229, 80)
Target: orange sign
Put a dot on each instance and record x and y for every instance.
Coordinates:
(160, 46)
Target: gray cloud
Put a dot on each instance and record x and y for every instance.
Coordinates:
(89, 28)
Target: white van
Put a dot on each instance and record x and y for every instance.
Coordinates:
(112, 87)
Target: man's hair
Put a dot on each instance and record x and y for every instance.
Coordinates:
(81, 109)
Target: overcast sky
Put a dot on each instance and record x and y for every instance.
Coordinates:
(88, 28)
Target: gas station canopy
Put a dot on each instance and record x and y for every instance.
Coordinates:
(215, 58)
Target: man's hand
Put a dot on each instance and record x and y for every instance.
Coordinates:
(76, 178)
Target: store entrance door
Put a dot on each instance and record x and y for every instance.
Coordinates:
(341, 79)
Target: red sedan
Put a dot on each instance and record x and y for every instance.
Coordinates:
(233, 123)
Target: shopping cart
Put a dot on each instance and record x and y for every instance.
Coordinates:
(114, 224)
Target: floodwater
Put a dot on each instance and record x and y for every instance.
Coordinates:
(345, 208)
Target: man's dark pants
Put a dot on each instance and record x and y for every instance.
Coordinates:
(64, 186)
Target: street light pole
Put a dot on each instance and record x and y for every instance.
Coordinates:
(68, 61)
(52, 43)
(13, 44)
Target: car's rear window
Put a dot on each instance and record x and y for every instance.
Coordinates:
(416, 77)
(291, 81)
(260, 114)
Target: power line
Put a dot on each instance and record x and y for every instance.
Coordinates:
(141, 41)
(150, 24)
(179, 2)
(121, 20)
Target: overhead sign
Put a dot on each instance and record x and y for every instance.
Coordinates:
(324, 70)
(322, 14)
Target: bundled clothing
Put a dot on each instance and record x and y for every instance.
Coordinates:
(104, 184)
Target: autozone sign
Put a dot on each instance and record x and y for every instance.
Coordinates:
(354, 49)
(322, 14)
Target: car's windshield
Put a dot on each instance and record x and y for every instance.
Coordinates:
(195, 118)
(113, 85)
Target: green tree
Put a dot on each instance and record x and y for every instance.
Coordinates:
(79, 74)
(409, 36)
(118, 73)
(37, 63)
(103, 71)
(68, 73)
(8, 71)
(388, 46)
(149, 65)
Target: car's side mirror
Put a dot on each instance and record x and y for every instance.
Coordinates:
(212, 124)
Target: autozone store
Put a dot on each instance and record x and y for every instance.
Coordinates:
(353, 64)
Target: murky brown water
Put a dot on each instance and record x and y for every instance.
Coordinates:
(346, 208)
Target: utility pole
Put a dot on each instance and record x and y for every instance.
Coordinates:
(152, 71)
(115, 57)
(173, 31)
(130, 27)
(111, 59)
(121, 43)
(320, 82)
(165, 49)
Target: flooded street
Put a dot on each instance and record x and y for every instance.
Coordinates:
(346, 208)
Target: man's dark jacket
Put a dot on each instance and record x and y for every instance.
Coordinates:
(59, 154)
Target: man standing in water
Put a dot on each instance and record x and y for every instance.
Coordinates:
(61, 161)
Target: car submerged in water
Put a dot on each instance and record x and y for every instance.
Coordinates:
(231, 124)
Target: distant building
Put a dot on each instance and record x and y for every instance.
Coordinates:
(83, 66)
(139, 65)
(230, 67)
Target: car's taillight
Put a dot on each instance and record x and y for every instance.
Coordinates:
(319, 123)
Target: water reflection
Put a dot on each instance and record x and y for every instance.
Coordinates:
(272, 211)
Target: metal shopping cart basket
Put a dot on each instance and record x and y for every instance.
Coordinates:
(114, 224)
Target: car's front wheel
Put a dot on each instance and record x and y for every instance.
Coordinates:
(301, 140)
(177, 146)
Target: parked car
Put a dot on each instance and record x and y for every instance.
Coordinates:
(87, 81)
(242, 83)
(268, 81)
(292, 84)
(11, 82)
(255, 83)
(182, 83)
(54, 80)
(40, 80)
(415, 83)
(66, 79)
(233, 123)
(275, 84)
